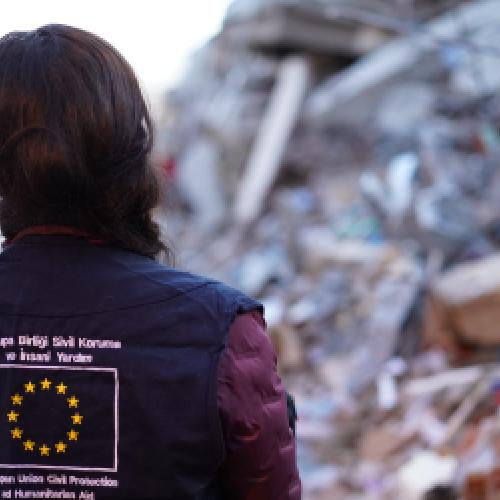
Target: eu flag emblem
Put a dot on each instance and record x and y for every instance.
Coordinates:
(58, 417)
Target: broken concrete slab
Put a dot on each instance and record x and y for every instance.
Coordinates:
(293, 81)
(291, 28)
(383, 67)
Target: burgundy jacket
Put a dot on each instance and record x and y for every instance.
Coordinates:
(260, 447)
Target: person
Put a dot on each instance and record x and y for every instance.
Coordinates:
(120, 377)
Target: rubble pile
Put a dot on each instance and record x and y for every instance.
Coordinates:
(340, 162)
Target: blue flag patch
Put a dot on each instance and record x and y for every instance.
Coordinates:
(58, 418)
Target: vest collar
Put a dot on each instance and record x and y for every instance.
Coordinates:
(57, 230)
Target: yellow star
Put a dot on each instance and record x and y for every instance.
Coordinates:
(29, 445)
(77, 418)
(12, 416)
(60, 447)
(30, 387)
(45, 384)
(16, 433)
(73, 435)
(61, 388)
(73, 402)
(17, 399)
(44, 450)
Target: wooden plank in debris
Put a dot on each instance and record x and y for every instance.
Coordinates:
(444, 380)
(468, 405)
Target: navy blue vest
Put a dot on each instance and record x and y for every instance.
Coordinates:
(108, 373)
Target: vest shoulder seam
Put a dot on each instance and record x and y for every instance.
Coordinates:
(105, 311)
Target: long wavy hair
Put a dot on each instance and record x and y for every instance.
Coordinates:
(75, 139)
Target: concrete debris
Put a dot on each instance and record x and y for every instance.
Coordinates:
(372, 74)
(425, 471)
(405, 108)
(395, 198)
(340, 161)
(201, 161)
(462, 304)
(304, 26)
(292, 83)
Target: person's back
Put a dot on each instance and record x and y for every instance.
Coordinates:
(136, 345)
(110, 371)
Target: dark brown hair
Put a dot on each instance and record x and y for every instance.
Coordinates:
(75, 139)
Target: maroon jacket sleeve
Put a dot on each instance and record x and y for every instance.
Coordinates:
(261, 455)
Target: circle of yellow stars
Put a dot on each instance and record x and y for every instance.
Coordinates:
(17, 433)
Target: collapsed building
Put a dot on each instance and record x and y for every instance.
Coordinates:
(339, 161)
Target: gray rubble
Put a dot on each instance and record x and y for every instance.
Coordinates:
(355, 200)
